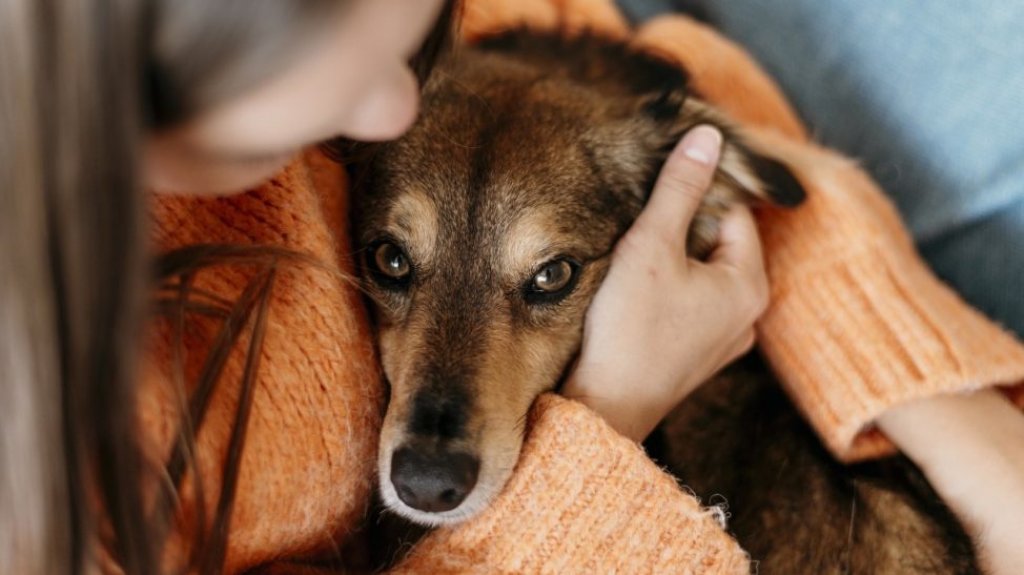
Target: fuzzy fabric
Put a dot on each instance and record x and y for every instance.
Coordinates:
(857, 324)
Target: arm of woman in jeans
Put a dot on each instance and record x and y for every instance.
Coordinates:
(971, 449)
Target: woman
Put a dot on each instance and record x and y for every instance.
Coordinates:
(195, 97)
(109, 98)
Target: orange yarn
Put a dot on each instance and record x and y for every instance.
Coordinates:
(857, 324)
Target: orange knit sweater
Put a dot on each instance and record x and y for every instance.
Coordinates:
(857, 324)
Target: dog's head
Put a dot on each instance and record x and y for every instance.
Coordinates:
(485, 232)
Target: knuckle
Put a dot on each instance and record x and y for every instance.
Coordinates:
(682, 179)
(640, 246)
(647, 240)
(630, 242)
(634, 242)
(689, 188)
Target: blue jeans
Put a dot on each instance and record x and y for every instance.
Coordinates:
(929, 97)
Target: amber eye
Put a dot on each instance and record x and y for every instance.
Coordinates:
(553, 277)
(552, 282)
(389, 264)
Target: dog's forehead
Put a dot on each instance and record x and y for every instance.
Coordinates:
(515, 201)
(463, 152)
(510, 166)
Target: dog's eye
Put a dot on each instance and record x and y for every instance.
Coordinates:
(389, 263)
(553, 277)
(552, 282)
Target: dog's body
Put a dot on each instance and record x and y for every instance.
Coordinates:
(487, 230)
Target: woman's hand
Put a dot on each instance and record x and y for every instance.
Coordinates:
(971, 449)
(661, 324)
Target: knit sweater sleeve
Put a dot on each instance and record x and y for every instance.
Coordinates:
(857, 322)
(583, 499)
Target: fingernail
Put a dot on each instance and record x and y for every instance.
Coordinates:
(702, 144)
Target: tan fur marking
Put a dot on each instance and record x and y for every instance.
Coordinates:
(530, 243)
(732, 163)
(414, 219)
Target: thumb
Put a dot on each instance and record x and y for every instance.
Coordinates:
(680, 188)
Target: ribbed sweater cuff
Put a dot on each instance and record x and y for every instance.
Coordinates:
(858, 323)
(583, 499)
(872, 330)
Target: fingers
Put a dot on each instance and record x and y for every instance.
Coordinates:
(738, 254)
(681, 186)
(739, 244)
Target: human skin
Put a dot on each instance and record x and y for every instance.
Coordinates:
(971, 449)
(660, 324)
(355, 82)
(352, 80)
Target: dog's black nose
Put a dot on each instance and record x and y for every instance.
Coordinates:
(433, 482)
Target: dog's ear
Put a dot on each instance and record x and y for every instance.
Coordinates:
(660, 92)
(612, 67)
(744, 173)
(759, 176)
(743, 176)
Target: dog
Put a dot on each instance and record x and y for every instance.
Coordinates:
(485, 232)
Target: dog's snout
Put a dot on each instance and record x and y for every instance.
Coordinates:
(441, 415)
(433, 482)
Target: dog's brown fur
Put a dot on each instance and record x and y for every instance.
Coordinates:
(534, 149)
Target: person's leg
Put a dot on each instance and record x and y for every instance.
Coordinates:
(984, 261)
(929, 96)
(640, 10)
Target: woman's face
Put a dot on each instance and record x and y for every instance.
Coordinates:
(355, 81)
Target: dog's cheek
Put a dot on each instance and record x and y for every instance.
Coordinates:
(515, 379)
(399, 346)
(396, 369)
(389, 356)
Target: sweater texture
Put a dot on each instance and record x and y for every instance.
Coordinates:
(857, 324)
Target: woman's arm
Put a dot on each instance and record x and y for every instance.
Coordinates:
(662, 324)
(583, 499)
(971, 448)
(857, 322)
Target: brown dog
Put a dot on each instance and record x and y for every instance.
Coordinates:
(486, 231)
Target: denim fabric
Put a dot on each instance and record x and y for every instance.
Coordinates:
(929, 96)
